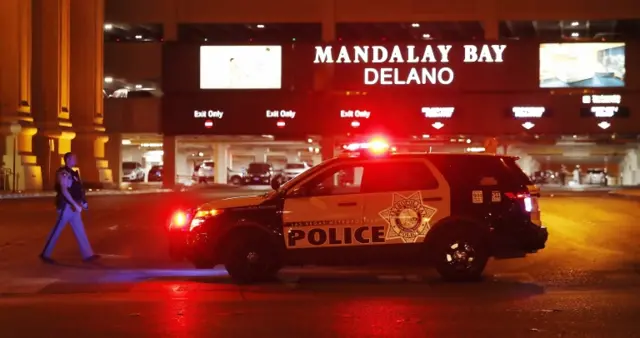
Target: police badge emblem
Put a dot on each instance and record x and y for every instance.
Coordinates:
(408, 217)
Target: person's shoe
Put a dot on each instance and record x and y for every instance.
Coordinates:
(92, 258)
(46, 259)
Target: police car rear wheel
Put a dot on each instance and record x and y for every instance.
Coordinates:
(251, 259)
(461, 255)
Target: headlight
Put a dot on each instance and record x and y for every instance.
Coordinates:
(201, 216)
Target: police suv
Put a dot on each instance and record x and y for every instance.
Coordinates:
(454, 211)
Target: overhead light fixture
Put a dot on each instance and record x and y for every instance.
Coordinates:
(415, 25)
(425, 136)
(108, 79)
(604, 124)
(528, 125)
(575, 35)
(108, 26)
(126, 142)
(260, 26)
(438, 125)
(138, 37)
(310, 140)
(426, 36)
(575, 23)
(138, 86)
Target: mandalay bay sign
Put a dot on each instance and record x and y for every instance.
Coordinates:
(429, 65)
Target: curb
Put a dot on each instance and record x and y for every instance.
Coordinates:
(625, 196)
(89, 193)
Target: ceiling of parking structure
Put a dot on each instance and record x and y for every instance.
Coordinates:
(255, 32)
(410, 31)
(118, 32)
(570, 29)
(139, 139)
(244, 139)
(584, 162)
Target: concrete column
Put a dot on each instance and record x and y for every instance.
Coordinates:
(327, 148)
(50, 87)
(170, 31)
(86, 83)
(169, 161)
(184, 168)
(292, 157)
(316, 159)
(630, 168)
(221, 160)
(260, 154)
(491, 29)
(15, 95)
(113, 154)
(323, 76)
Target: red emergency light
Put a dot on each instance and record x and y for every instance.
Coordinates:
(375, 146)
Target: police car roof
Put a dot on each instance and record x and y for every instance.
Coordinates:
(432, 155)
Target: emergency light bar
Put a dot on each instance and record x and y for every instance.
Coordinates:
(374, 147)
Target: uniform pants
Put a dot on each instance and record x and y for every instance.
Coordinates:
(74, 218)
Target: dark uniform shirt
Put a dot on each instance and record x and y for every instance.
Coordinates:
(76, 190)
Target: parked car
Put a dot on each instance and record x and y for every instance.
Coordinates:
(235, 177)
(155, 173)
(259, 173)
(132, 172)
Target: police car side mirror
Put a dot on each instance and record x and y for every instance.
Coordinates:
(275, 183)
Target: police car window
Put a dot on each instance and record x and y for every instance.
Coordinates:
(398, 176)
(341, 180)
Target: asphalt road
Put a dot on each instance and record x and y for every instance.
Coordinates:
(585, 284)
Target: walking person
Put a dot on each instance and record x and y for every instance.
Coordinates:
(70, 202)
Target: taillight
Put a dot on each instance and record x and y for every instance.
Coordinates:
(522, 197)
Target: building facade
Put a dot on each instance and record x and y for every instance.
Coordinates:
(63, 55)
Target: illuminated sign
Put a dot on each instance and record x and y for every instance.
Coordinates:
(604, 111)
(437, 112)
(528, 112)
(604, 124)
(603, 106)
(281, 114)
(208, 114)
(365, 114)
(602, 99)
(407, 54)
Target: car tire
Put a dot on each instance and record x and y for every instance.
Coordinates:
(460, 254)
(236, 180)
(251, 258)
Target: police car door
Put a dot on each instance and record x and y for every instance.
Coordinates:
(326, 210)
(405, 197)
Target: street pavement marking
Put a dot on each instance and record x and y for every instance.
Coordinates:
(25, 285)
(521, 277)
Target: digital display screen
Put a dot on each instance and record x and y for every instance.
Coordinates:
(240, 67)
(582, 65)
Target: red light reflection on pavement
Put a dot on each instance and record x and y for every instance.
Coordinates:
(383, 317)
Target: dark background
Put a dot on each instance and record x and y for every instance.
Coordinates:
(481, 95)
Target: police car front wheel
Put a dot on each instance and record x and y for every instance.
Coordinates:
(461, 255)
(251, 259)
